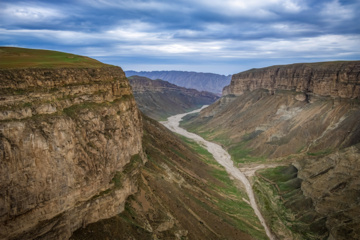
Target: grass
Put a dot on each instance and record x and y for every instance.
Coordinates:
(320, 153)
(240, 154)
(232, 204)
(12, 57)
(75, 109)
(238, 150)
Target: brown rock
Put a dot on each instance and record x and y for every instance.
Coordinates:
(335, 79)
(66, 137)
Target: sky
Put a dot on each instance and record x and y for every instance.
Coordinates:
(218, 36)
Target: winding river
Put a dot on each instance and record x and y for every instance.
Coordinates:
(221, 156)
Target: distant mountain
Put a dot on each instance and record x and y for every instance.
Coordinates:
(160, 99)
(210, 82)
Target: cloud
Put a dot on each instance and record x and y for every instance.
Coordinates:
(334, 12)
(253, 8)
(186, 32)
(25, 13)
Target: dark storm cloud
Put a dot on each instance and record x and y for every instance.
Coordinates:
(231, 34)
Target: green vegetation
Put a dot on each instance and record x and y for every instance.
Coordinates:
(320, 153)
(233, 202)
(75, 109)
(288, 212)
(241, 154)
(12, 57)
(238, 151)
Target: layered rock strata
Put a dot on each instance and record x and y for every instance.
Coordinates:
(335, 79)
(68, 138)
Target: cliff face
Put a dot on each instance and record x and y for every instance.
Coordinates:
(69, 139)
(160, 99)
(335, 79)
(209, 82)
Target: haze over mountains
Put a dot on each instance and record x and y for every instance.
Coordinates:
(209, 82)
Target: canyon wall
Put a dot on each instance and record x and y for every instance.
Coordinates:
(70, 147)
(335, 79)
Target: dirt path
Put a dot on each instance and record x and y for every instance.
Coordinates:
(222, 157)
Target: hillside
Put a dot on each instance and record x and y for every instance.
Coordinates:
(305, 115)
(160, 99)
(209, 82)
(12, 57)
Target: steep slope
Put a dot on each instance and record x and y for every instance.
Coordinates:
(184, 194)
(297, 114)
(160, 99)
(70, 143)
(209, 82)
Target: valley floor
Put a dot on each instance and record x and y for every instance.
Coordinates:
(222, 157)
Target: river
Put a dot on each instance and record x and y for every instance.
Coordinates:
(222, 157)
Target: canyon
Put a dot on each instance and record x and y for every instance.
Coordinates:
(306, 117)
(80, 161)
(78, 158)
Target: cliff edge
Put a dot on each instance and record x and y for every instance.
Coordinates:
(335, 79)
(70, 143)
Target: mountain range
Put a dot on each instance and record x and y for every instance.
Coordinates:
(209, 82)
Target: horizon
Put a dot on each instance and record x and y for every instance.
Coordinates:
(222, 37)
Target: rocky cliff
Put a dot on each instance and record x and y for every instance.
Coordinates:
(209, 82)
(160, 99)
(70, 144)
(335, 79)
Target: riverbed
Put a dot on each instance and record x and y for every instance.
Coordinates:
(221, 156)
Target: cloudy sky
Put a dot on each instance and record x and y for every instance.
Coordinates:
(220, 36)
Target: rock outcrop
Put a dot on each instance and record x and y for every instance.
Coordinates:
(70, 146)
(335, 79)
(332, 182)
(160, 99)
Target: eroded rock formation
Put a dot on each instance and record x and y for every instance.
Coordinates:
(68, 138)
(336, 79)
